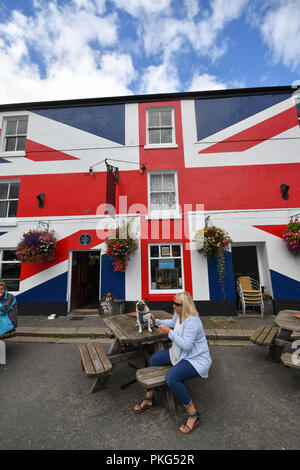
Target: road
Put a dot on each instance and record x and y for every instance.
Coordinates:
(246, 403)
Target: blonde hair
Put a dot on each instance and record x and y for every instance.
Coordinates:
(188, 305)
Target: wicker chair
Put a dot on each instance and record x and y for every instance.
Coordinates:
(250, 293)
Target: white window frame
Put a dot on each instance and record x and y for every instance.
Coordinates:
(5, 119)
(9, 181)
(12, 262)
(165, 291)
(160, 145)
(163, 213)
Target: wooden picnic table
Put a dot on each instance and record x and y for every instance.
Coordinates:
(282, 343)
(126, 332)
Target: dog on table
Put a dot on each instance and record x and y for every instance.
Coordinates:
(143, 316)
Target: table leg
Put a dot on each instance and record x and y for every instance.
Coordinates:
(280, 344)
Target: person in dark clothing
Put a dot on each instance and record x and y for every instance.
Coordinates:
(8, 310)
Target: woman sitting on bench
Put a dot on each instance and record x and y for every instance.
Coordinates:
(189, 356)
(8, 310)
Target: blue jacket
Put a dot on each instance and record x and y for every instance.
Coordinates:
(8, 313)
(191, 341)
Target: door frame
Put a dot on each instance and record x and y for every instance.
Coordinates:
(70, 266)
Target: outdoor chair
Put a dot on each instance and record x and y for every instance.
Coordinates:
(250, 293)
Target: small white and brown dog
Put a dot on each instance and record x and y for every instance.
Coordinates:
(143, 316)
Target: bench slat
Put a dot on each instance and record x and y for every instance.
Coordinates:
(99, 368)
(260, 340)
(264, 335)
(271, 335)
(107, 365)
(286, 359)
(256, 334)
(151, 377)
(86, 360)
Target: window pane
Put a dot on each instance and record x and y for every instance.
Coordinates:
(11, 128)
(11, 270)
(156, 201)
(22, 126)
(154, 136)
(9, 255)
(153, 118)
(10, 144)
(3, 190)
(166, 136)
(12, 210)
(12, 284)
(21, 143)
(169, 200)
(166, 118)
(14, 190)
(168, 182)
(176, 251)
(165, 250)
(154, 251)
(3, 208)
(156, 182)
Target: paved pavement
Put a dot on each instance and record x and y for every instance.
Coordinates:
(81, 328)
(247, 402)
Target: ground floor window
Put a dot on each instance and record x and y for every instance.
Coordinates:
(10, 270)
(166, 267)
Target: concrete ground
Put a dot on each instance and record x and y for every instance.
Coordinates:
(246, 403)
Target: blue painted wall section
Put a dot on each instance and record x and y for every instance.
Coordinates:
(111, 281)
(284, 288)
(104, 121)
(54, 290)
(213, 115)
(215, 288)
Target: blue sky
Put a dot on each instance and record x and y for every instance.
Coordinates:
(65, 49)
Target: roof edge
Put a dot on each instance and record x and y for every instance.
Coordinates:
(148, 98)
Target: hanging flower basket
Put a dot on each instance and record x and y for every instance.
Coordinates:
(119, 249)
(291, 236)
(213, 241)
(37, 246)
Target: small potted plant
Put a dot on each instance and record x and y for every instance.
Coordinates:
(291, 236)
(37, 246)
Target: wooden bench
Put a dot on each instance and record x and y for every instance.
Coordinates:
(264, 335)
(9, 334)
(96, 363)
(155, 377)
(286, 359)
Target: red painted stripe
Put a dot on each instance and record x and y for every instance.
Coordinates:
(63, 247)
(276, 230)
(41, 153)
(257, 134)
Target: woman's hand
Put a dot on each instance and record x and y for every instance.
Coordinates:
(164, 329)
(152, 317)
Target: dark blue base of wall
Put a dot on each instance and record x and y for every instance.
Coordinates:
(285, 305)
(42, 308)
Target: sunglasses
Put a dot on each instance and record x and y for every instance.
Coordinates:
(177, 304)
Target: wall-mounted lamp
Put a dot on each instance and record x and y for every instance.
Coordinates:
(41, 198)
(142, 169)
(284, 191)
(91, 171)
(207, 219)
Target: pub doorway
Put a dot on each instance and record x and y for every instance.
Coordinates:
(85, 286)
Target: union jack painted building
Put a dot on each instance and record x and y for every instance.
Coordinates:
(168, 163)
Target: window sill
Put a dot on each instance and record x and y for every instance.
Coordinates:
(160, 146)
(12, 154)
(162, 215)
(166, 291)
(8, 221)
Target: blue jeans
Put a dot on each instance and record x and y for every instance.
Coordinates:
(183, 370)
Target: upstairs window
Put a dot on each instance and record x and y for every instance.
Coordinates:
(15, 132)
(160, 126)
(163, 194)
(9, 197)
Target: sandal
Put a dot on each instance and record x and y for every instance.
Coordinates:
(197, 421)
(146, 406)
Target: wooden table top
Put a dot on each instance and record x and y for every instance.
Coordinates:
(287, 321)
(125, 330)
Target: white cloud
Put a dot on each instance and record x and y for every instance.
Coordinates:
(71, 66)
(281, 32)
(140, 7)
(206, 82)
(160, 79)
